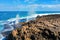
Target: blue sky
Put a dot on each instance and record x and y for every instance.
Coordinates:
(28, 5)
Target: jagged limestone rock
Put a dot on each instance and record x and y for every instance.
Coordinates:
(43, 28)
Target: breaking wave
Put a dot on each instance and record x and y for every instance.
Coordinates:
(6, 25)
(18, 18)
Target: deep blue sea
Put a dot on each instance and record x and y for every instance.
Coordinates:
(6, 15)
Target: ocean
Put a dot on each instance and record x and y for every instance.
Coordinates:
(6, 18)
(4, 15)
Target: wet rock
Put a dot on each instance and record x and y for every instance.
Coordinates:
(42, 28)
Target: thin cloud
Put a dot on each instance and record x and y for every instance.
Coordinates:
(38, 6)
(33, 7)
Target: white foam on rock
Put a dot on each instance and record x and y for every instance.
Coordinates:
(17, 18)
(1, 37)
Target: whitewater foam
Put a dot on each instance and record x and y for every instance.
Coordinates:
(14, 19)
(27, 17)
(1, 37)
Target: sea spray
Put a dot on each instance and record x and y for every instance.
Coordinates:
(17, 19)
(31, 14)
(1, 37)
(29, 17)
(14, 19)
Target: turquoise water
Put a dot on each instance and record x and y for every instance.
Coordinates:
(11, 14)
(1, 27)
(6, 15)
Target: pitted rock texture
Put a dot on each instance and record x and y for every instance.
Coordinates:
(43, 28)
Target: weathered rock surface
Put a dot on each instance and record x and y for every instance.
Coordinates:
(43, 28)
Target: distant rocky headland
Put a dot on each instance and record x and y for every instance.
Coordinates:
(42, 28)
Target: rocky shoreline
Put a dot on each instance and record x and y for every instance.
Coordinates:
(42, 28)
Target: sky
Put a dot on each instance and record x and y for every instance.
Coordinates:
(29, 5)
